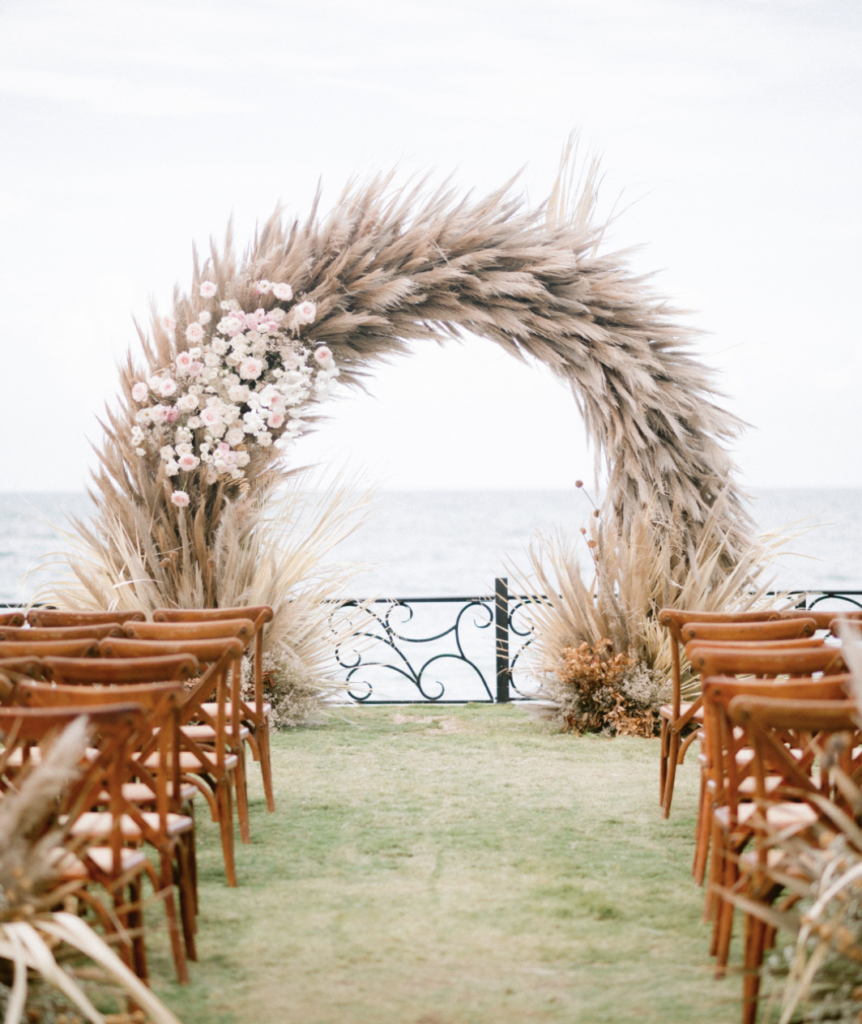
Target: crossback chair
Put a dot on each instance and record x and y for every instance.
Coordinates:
(210, 730)
(49, 617)
(115, 817)
(240, 733)
(26, 732)
(731, 792)
(255, 714)
(765, 721)
(677, 716)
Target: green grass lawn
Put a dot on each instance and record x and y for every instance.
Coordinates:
(455, 866)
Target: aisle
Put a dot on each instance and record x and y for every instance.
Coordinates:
(456, 866)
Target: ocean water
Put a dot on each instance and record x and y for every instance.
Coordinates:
(454, 543)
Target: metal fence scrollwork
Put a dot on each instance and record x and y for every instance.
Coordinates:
(438, 649)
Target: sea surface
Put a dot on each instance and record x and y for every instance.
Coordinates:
(453, 543)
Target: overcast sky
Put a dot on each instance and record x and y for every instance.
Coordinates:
(130, 129)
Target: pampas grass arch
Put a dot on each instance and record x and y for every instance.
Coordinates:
(392, 265)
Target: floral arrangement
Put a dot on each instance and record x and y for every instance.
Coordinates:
(247, 380)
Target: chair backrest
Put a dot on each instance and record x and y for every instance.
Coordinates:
(84, 648)
(102, 671)
(40, 633)
(48, 617)
(774, 629)
(12, 619)
(733, 660)
(824, 619)
(243, 629)
(675, 618)
(259, 614)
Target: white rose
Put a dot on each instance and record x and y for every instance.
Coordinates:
(282, 291)
(188, 462)
(305, 312)
(204, 317)
(171, 468)
(167, 387)
(210, 417)
(211, 359)
(194, 332)
(207, 289)
(235, 436)
(242, 458)
(250, 369)
(184, 449)
(140, 392)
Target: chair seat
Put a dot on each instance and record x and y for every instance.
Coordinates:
(778, 816)
(205, 733)
(190, 762)
(73, 868)
(748, 786)
(16, 757)
(98, 824)
(141, 793)
(666, 711)
(211, 708)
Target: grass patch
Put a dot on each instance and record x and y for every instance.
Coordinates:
(455, 866)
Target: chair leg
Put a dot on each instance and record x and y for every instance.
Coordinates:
(135, 923)
(167, 882)
(241, 784)
(665, 739)
(187, 901)
(754, 946)
(672, 754)
(724, 918)
(702, 833)
(225, 803)
(266, 765)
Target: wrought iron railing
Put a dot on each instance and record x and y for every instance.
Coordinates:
(390, 660)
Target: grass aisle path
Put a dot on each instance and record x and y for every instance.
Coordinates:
(455, 866)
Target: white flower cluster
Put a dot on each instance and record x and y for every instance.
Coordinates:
(248, 380)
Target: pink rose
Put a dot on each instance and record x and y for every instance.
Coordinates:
(169, 324)
(275, 420)
(305, 312)
(210, 417)
(172, 414)
(250, 369)
(167, 387)
(140, 392)
(180, 499)
(208, 289)
(194, 332)
(157, 413)
(183, 361)
(187, 403)
(195, 369)
(187, 463)
(323, 355)
(283, 292)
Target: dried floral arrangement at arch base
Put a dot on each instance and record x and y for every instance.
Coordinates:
(194, 455)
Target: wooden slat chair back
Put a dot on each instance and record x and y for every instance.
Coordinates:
(215, 765)
(82, 648)
(256, 715)
(12, 619)
(50, 617)
(39, 633)
(764, 721)
(677, 716)
(111, 728)
(149, 758)
(242, 629)
(94, 671)
(728, 768)
(824, 619)
(733, 660)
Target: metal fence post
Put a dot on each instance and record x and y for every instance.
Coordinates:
(501, 620)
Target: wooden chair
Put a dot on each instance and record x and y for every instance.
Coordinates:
(26, 732)
(239, 734)
(764, 722)
(255, 716)
(50, 617)
(12, 619)
(677, 716)
(759, 661)
(731, 803)
(209, 728)
(38, 633)
(123, 819)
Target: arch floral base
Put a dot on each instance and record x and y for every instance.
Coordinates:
(196, 452)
